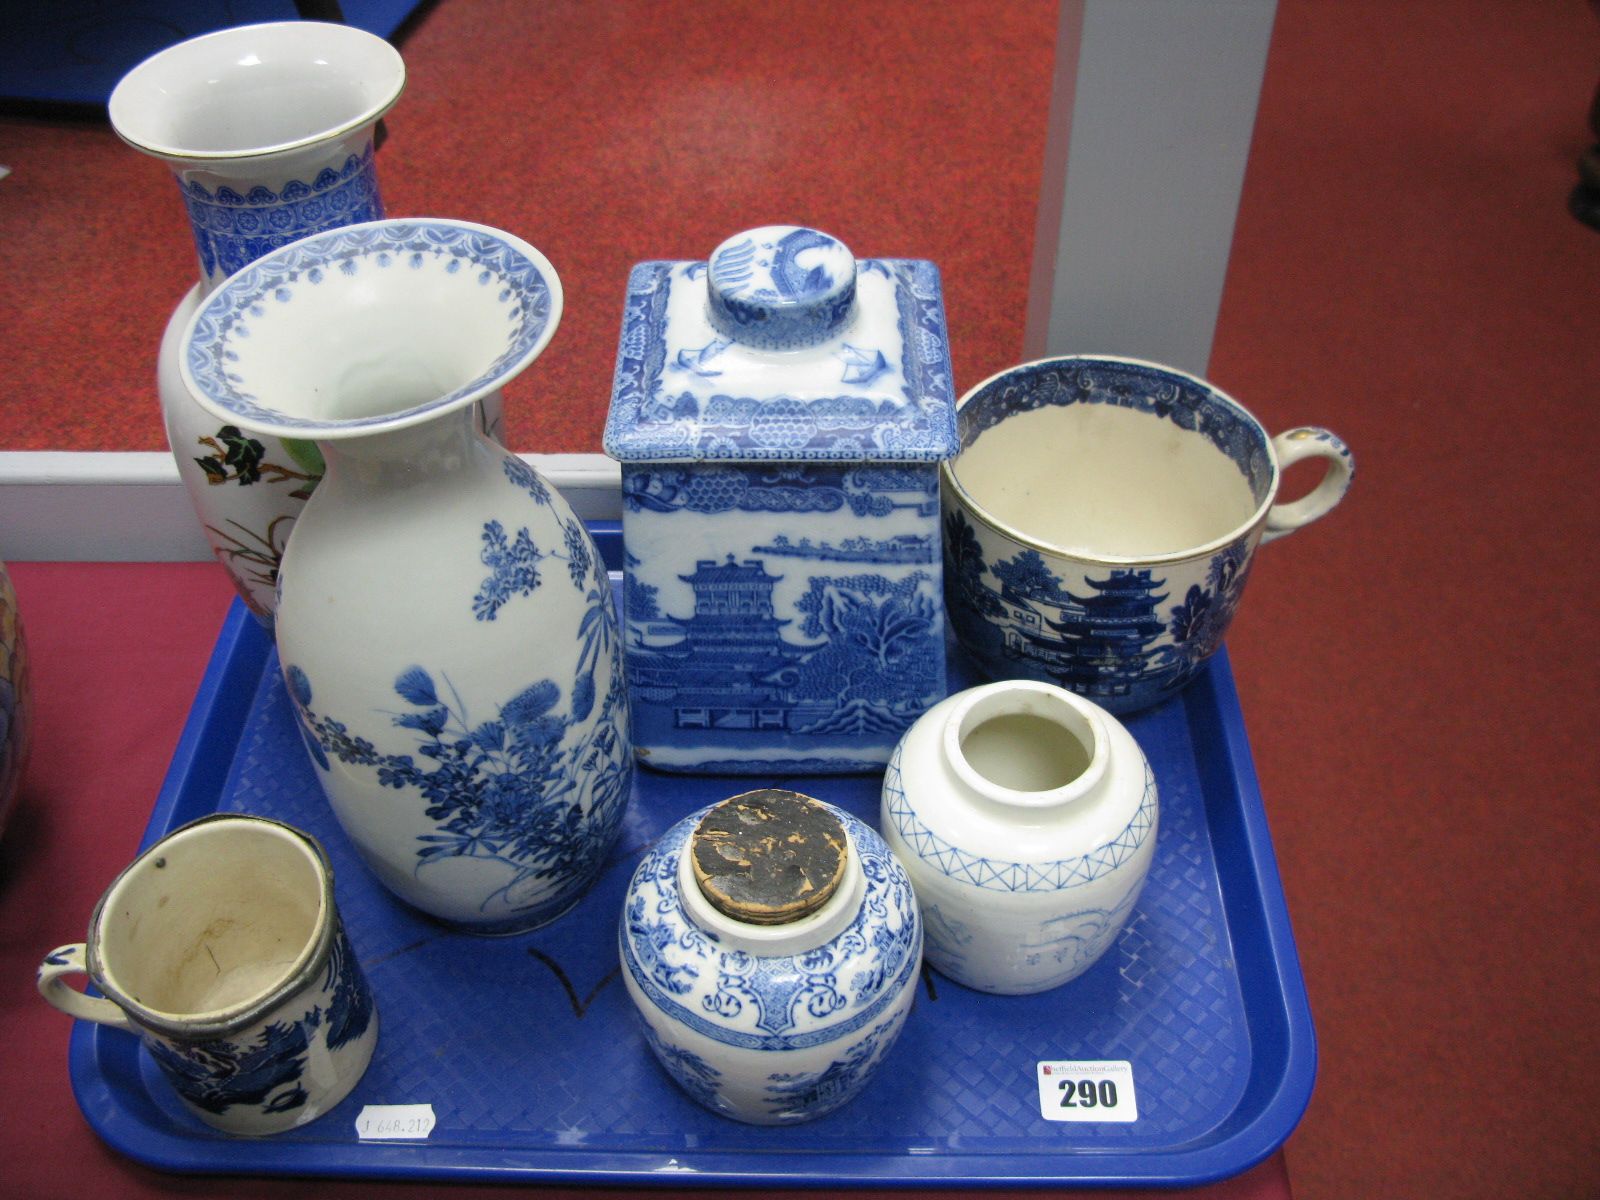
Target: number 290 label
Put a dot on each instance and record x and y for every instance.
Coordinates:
(1087, 1091)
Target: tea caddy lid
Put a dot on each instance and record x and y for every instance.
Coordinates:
(783, 347)
(768, 857)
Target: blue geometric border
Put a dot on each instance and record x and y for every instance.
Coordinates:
(1000, 876)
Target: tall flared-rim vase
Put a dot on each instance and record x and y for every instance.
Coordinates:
(445, 624)
(268, 130)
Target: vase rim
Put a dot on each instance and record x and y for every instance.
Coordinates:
(527, 279)
(132, 105)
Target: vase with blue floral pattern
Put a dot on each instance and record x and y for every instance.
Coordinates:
(445, 624)
(269, 132)
(780, 413)
(1026, 817)
(772, 946)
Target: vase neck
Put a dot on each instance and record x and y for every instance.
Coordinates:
(1020, 746)
(412, 456)
(241, 209)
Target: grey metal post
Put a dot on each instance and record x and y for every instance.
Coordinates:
(1152, 110)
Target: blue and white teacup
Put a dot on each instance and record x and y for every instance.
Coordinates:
(220, 947)
(1100, 519)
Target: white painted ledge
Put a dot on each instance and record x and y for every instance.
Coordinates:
(132, 507)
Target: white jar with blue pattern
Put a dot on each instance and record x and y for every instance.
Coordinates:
(1026, 817)
(445, 623)
(780, 412)
(780, 1022)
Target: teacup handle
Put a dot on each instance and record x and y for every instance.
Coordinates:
(1309, 441)
(69, 960)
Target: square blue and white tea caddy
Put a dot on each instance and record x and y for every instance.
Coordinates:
(780, 414)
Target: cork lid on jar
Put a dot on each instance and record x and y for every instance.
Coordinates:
(768, 857)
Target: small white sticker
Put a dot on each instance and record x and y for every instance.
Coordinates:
(395, 1122)
(1087, 1091)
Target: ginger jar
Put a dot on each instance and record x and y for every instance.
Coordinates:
(1026, 817)
(780, 413)
(772, 946)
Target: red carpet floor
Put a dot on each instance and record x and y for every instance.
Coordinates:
(1419, 672)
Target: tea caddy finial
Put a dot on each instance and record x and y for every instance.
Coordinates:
(781, 287)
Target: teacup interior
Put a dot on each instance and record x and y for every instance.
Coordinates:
(1089, 476)
(215, 918)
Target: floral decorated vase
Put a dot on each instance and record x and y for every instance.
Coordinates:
(772, 947)
(269, 132)
(1026, 817)
(780, 413)
(445, 624)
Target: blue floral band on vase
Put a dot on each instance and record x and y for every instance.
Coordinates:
(233, 229)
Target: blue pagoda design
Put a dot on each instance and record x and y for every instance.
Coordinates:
(730, 667)
(1101, 645)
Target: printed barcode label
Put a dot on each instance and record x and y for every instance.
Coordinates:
(1087, 1091)
(395, 1122)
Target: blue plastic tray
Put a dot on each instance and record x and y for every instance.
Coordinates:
(529, 1052)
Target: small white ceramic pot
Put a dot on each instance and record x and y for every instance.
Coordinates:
(1026, 817)
(1101, 518)
(771, 1023)
(221, 948)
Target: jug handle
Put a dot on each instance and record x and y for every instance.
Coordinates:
(69, 960)
(1310, 441)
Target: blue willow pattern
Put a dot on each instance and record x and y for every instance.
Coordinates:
(1145, 647)
(816, 1093)
(909, 420)
(217, 1074)
(692, 1073)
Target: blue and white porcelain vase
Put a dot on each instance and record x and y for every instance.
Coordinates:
(771, 1023)
(780, 414)
(445, 624)
(1026, 817)
(269, 131)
